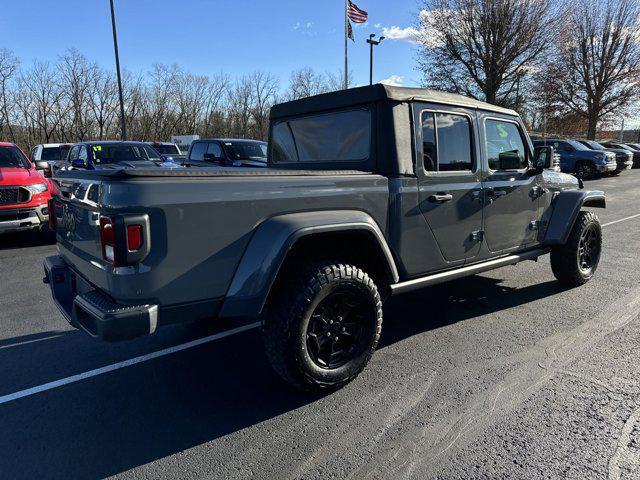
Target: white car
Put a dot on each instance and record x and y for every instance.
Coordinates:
(53, 153)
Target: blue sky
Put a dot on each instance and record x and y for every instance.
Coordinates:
(208, 36)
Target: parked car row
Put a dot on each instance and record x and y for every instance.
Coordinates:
(25, 187)
(587, 159)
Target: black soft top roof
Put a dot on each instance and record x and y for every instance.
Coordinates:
(375, 93)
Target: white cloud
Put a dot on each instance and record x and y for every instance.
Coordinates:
(378, 25)
(393, 81)
(306, 28)
(407, 34)
(424, 34)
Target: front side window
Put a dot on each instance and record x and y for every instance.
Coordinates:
(214, 151)
(197, 151)
(446, 142)
(83, 154)
(505, 147)
(74, 153)
(332, 137)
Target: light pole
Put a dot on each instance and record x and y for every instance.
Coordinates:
(371, 43)
(123, 128)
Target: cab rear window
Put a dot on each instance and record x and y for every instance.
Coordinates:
(333, 137)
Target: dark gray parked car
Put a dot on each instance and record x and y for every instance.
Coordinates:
(624, 158)
(370, 192)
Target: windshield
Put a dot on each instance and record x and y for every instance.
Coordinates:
(576, 145)
(624, 147)
(115, 153)
(246, 150)
(167, 149)
(594, 145)
(12, 157)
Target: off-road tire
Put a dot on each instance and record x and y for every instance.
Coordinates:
(289, 314)
(565, 259)
(585, 171)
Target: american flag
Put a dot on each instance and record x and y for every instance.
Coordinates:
(356, 14)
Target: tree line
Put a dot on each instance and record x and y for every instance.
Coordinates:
(570, 67)
(74, 99)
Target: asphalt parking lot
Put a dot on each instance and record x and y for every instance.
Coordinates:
(502, 375)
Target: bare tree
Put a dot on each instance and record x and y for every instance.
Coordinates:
(9, 65)
(41, 101)
(75, 74)
(214, 118)
(305, 82)
(483, 48)
(103, 100)
(264, 93)
(596, 69)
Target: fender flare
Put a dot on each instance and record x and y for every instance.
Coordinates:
(270, 244)
(564, 210)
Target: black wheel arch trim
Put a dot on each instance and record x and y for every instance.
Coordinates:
(563, 211)
(271, 242)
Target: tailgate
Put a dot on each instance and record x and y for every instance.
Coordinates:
(77, 212)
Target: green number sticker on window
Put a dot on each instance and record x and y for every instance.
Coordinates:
(501, 131)
(97, 148)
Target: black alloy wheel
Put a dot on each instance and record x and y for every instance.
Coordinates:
(336, 331)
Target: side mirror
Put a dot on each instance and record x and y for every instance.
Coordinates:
(543, 158)
(509, 161)
(43, 166)
(78, 163)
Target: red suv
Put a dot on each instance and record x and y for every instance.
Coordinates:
(24, 192)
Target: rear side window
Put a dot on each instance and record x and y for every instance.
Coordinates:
(505, 147)
(332, 137)
(446, 142)
(51, 154)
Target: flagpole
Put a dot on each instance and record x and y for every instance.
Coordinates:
(346, 45)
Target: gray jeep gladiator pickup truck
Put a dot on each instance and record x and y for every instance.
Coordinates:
(370, 192)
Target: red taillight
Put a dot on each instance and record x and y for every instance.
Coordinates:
(108, 239)
(51, 210)
(134, 237)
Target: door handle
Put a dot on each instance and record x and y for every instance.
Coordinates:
(496, 193)
(441, 197)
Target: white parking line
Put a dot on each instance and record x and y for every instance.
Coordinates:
(126, 363)
(621, 220)
(160, 353)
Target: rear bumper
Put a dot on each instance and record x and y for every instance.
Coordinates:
(88, 309)
(19, 219)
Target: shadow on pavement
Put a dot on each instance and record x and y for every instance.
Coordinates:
(10, 241)
(115, 422)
